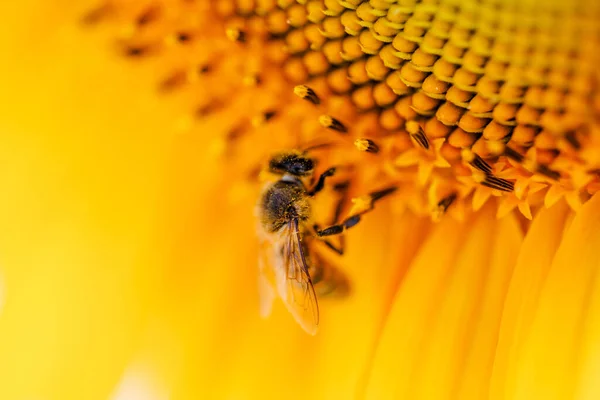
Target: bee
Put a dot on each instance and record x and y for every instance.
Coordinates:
(289, 266)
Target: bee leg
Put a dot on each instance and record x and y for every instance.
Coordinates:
(355, 219)
(321, 182)
(341, 188)
(338, 249)
(339, 228)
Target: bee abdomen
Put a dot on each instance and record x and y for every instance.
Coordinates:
(328, 280)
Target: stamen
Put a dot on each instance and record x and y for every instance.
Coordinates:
(262, 118)
(235, 35)
(366, 145)
(442, 206)
(498, 183)
(546, 171)
(329, 122)
(177, 79)
(476, 161)
(384, 69)
(96, 15)
(417, 134)
(573, 141)
(306, 93)
(151, 14)
(363, 204)
(251, 80)
(512, 154)
(136, 51)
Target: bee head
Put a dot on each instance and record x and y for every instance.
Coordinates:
(291, 163)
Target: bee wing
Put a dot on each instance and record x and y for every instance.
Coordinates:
(293, 281)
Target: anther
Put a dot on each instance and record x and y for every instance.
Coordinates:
(442, 206)
(546, 171)
(416, 132)
(366, 203)
(206, 109)
(234, 133)
(366, 145)
(172, 82)
(195, 72)
(151, 14)
(262, 118)
(204, 68)
(572, 140)
(513, 154)
(136, 51)
(251, 80)
(498, 183)
(329, 122)
(306, 93)
(382, 193)
(475, 161)
(96, 15)
(183, 37)
(235, 35)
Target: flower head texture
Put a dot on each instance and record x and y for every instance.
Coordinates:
(137, 138)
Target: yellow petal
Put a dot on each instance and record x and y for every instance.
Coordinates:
(480, 196)
(555, 193)
(521, 185)
(292, 364)
(506, 205)
(533, 264)
(425, 170)
(408, 158)
(436, 321)
(80, 210)
(588, 387)
(478, 365)
(562, 342)
(415, 301)
(525, 209)
(452, 334)
(574, 199)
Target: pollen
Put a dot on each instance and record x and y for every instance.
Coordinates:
(487, 99)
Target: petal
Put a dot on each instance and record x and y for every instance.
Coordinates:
(525, 209)
(478, 366)
(425, 170)
(408, 158)
(530, 272)
(238, 355)
(480, 196)
(82, 176)
(555, 193)
(506, 205)
(139, 384)
(443, 319)
(559, 356)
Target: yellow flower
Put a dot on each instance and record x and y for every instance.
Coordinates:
(131, 136)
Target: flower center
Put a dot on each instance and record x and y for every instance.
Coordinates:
(455, 101)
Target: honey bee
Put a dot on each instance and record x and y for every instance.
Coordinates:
(289, 267)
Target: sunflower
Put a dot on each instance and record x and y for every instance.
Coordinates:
(133, 140)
